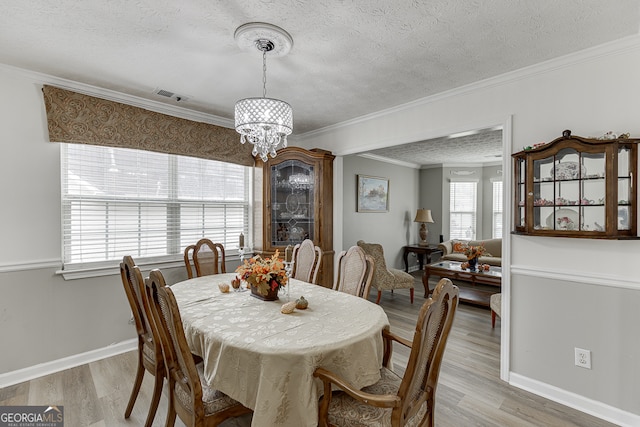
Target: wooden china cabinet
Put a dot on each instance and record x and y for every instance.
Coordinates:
(296, 203)
(577, 187)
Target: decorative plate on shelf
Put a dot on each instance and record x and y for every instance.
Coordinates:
(292, 203)
(565, 219)
(568, 170)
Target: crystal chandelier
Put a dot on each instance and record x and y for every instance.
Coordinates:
(264, 122)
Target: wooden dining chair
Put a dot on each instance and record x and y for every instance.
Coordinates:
(355, 271)
(188, 260)
(149, 349)
(190, 398)
(209, 258)
(397, 401)
(306, 261)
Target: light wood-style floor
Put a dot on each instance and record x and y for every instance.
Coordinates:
(469, 393)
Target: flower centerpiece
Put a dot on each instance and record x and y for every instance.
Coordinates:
(472, 253)
(264, 276)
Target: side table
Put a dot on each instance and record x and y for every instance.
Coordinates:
(420, 252)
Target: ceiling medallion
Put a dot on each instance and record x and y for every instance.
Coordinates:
(264, 122)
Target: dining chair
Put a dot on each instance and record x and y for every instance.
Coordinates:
(188, 260)
(386, 278)
(149, 349)
(209, 258)
(190, 398)
(355, 271)
(306, 261)
(397, 401)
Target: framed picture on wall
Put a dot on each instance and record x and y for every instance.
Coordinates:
(373, 194)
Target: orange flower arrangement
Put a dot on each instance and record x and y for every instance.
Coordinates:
(264, 274)
(474, 251)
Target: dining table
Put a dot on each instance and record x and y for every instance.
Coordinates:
(265, 359)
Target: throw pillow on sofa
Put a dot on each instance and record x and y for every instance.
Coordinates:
(459, 246)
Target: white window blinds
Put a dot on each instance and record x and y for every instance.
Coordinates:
(497, 209)
(119, 201)
(462, 210)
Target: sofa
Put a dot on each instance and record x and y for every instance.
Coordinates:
(453, 250)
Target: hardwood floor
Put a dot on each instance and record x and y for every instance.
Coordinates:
(469, 393)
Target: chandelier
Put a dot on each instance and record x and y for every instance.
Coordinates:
(264, 122)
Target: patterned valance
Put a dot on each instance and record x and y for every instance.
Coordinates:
(83, 119)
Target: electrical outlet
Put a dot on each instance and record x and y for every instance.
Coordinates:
(583, 358)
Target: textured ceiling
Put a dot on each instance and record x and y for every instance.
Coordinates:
(349, 58)
(485, 146)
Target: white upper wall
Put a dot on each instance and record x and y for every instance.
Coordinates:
(589, 93)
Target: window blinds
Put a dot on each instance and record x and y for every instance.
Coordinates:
(497, 209)
(119, 201)
(462, 210)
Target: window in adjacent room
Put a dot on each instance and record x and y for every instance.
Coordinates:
(462, 209)
(118, 201)
(497, 209)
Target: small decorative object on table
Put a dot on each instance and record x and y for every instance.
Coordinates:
(301, 303)
(472, 253)
(265, 277)
(288, 307)
(235, 283)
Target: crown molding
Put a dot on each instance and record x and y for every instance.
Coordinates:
(607, 49)
(111, 95)
(388, 160)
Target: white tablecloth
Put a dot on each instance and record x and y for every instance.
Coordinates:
(265, 359)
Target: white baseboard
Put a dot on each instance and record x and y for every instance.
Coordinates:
(27, 374)
(575, 401)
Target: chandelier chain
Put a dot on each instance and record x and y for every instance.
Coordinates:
(264, 73)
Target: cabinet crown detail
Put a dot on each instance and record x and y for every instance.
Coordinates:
(577, 187)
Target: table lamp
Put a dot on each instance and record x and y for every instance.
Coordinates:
(423, 216)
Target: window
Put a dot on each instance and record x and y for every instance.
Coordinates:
(462, 210)
(497, 210)
(119, 201)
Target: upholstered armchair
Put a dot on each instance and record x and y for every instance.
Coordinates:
(495, 302)
(385, 278)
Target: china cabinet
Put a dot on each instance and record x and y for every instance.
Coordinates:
(297, 204)
(577, 187)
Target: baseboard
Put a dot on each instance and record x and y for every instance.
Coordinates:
(27, 374)
(575, 401)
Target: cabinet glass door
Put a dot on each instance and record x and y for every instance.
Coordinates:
(624, 187)
(543, 193)
(521, 194)
(593, 195)
(292, 202)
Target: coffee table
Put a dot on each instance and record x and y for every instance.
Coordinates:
(453, 270)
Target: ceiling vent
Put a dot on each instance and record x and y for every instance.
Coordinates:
(171, 95)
